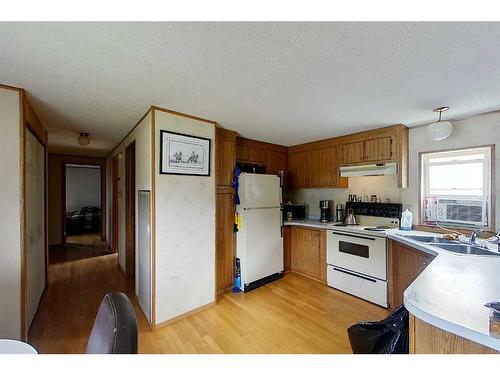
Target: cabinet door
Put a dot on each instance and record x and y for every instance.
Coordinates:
(352, 153)
(286, 248)
(241, 153)
(225, 240)
(379, 149)
(308, 252)
(257, 155)
(299, 169)
(324, 167)
(405, 264)
(226, 158)
(276, 162)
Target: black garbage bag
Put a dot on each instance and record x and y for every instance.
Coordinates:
(389, 336)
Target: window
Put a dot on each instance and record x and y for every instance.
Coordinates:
(457, 175)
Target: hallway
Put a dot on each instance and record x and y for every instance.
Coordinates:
(292, 315)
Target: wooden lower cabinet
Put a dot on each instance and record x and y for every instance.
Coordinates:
(286, 249)
(427, 339)
(225, 240)
(308, 252)
(404, 265)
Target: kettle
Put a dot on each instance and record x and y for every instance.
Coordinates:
(350, 219)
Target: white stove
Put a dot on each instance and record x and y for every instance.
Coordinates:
(357, 254)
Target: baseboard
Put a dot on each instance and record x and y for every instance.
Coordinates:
(309, 277)
(225, 290)
(183, 316)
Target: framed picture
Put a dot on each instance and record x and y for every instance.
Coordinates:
(184, 154)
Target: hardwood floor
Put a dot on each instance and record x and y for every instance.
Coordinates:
(292, 315)
(87, 239)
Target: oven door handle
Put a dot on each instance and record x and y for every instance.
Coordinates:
(353, 235)
(354, 274)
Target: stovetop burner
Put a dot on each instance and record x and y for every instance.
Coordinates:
(379, 228)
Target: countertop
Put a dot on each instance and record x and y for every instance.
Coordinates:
(451, 292)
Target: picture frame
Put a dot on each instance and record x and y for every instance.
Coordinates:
(184, 154)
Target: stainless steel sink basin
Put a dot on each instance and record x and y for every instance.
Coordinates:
(430, 239)
(465, 249)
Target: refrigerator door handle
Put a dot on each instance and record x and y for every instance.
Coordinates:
(282, 221)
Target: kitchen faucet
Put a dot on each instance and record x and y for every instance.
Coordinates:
(473, 236)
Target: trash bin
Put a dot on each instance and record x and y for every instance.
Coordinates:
(388, 336)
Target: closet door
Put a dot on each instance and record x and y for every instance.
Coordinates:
(35, 223)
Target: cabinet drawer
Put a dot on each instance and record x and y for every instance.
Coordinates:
(368, 288)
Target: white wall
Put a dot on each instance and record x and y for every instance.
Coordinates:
(185, 229)
(475, 131)
(10, 218)
(83, 187)
(142, 137)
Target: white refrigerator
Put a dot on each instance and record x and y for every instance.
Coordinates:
(259, 242)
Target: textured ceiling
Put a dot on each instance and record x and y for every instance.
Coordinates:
(286, 83)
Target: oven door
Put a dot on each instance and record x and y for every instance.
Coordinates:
(356, 252)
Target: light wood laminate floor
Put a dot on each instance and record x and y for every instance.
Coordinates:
(292, 315)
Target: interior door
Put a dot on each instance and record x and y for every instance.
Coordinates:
(114, 216)
(130, 213)
(35, 223)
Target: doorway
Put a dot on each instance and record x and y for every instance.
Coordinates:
(83, 210)
(115, 180)
(130, 190)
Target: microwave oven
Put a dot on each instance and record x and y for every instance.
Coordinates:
(298, 211)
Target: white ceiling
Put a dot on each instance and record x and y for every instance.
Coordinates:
(285, 83)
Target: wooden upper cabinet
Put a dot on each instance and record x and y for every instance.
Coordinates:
(225, 156)
(352, 153)
(276, 162)
(299, 169)
(324, 168)
(241, 152)
(257, 155)
(378, 149)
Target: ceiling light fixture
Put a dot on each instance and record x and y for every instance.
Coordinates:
(440, 130)
(84, 139)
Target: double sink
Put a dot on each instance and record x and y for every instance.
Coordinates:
(453, 246)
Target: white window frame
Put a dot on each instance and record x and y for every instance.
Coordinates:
(487, 174)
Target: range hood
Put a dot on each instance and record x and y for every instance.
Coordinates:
(380, 169)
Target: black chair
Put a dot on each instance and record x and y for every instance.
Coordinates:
(389, 336)
(115, 327)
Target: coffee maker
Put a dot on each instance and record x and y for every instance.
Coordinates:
(325, 207)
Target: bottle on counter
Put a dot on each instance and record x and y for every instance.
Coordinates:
(406, 220)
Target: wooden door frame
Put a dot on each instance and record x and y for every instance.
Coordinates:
(102, 181)
(130, 214)
(115, 216)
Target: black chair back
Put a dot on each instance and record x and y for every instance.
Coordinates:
(115, 327)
